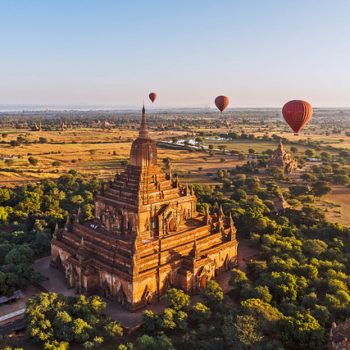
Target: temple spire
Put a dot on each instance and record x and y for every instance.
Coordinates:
(143, 127)
(280, 146)
(55, 232)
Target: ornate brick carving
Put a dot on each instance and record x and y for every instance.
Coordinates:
(146, 236)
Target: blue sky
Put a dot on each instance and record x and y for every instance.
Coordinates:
(259, 53)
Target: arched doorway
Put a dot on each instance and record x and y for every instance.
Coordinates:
(147, 296)
(121, 297)
(227, 263)
(202, 282)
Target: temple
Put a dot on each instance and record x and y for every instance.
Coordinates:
(146, 236)
(283, 160)
(339, 336)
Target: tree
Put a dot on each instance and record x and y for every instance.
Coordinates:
(239, 195)
(5, 194)
(285, 286)
(93, 344)
(259, 292)
(267, 315)
(42, 140)
(326, 156)
(303, 331)
(3, 214)
(14, 143)
(9, 282)
(341, 180)
(33, 161)
(310, 153)
(167, 320)
(161, 342)
(56, 345)
(199, 140)
(112, 328)
(275, 172)
(200, 312)
(150, 320)
(213, 295)
(20, 254)
(238, 278)
(177, 299)
(314, 247)
(127, 346)
(321, 314)
(81, 330)
(242, 332)
(320, 188)
(50, 317)
(256, 267)
(252, 184)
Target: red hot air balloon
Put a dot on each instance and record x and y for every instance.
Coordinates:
(221, 103)
(152, 96)
(297, 113)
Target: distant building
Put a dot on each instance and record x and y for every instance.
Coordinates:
(283, 159)
(147, 236)
(338, 336)
(280, 205)
(37, 127)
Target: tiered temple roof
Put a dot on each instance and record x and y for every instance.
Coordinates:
(146, 236)
(283, 160)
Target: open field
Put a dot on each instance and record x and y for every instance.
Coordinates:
(337, 205)
(93, 150)
(100, 153)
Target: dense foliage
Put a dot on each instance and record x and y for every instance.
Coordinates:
(293, 289)
(28, 215)
(54, 321)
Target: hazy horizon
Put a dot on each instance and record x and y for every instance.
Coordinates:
(87, 108)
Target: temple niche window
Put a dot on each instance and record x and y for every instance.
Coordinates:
(116, 223)
(147, 226)
(171, 225)
(103, 218)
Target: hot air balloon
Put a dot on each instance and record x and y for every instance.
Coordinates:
(221, 103)
(152, 96)
(297, 113)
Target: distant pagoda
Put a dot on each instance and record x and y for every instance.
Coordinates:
(283, 160)
(146, 236)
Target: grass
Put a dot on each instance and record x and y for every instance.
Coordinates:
(338, 205)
